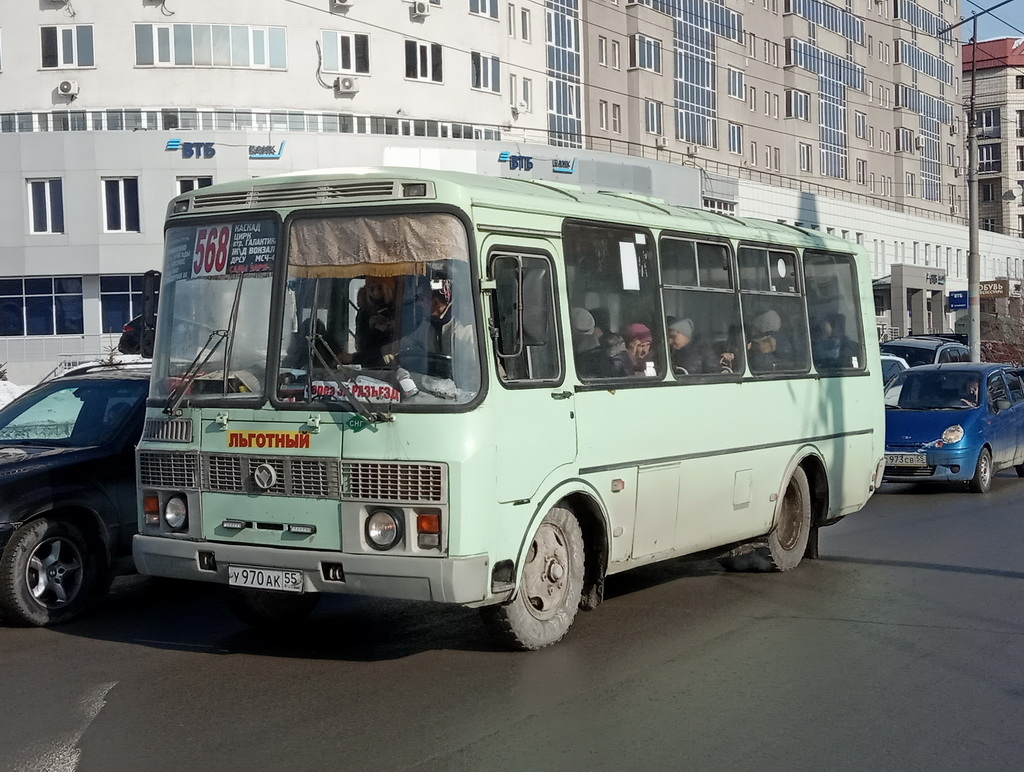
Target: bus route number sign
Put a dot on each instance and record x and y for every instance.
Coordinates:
(211, 251)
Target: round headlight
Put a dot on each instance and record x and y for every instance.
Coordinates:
(954, 433)
(383, 529)
(175, 512)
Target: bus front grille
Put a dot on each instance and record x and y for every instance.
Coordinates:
(305, 477)
(393, 481)
(164, 430)
(168, 470)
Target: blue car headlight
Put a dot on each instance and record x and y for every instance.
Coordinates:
(953, 434)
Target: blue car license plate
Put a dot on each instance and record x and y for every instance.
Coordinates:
(906, 459)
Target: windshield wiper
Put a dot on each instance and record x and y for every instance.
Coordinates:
(314, 340)
(190, 374)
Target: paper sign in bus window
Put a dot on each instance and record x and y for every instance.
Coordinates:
(630, 270)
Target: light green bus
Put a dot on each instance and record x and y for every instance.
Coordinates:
(493, 392)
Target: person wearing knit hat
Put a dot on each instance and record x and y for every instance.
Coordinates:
(687, 355)
(763, 343)
(638, 340)
(591, 359)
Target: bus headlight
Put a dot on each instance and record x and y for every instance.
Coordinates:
(383, 529)
(176, 513)
(954, 433)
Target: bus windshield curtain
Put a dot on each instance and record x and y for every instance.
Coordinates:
(339, 247)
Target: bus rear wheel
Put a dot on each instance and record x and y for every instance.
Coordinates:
(550, 589)
(267, 610)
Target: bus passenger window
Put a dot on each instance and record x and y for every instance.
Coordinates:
(612, 277)
(702, 309)
(773, 311)
(526, 346)
(837, 340)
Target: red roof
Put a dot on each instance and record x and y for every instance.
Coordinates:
(992, 54)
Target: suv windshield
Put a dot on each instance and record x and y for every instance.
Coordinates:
(214, 310)
(915, 356)
(72, 414)
(379, 308)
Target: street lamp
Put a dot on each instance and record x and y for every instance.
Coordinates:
(973, 255)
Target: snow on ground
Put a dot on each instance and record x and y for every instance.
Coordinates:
(9, 391)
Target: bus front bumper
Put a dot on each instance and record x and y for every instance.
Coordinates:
(446, 580)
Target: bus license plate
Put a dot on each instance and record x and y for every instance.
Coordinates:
(278, 579)
(906, 459)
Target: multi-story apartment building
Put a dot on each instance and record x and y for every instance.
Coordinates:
(998, 67)
(839, 116)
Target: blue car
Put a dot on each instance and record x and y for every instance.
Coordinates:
(954, 422)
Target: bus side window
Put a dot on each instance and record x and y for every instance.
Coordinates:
(523, 307)
(773, 311)
(837, 338)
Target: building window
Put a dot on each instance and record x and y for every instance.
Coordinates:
(69, 46)
(806, 157)
(862, 171)
(527, 93)
(737, 87)
(752, 99)
(653, 112)
(909, 186)
(41, 306)
(753, 154)
(735, 138)
(861, 125)
(524, 25)
(904, 140)
(988, 223)
(775, 106)
(988, 191)
(1019, 80)
(486, 74)
(990, 157)
(511, 20)
(185, 184)
(988, 123)
(602, 114)
(423, 61)
(346, 53)
(210, 45)
(120, 301)
(645, 53)
(46, 205)
(602, 51)
(484, 8)
(616, 58)
(121, 204)
(617, 119)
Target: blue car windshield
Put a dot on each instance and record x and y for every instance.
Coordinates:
(933, 390)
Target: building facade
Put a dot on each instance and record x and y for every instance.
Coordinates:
(839, 117)
(998, 70)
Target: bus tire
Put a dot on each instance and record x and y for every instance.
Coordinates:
(47, 574)
(982, 480)
(267, 610)
(788, 540)
(550, 589)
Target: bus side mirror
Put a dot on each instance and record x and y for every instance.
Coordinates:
(150, 296)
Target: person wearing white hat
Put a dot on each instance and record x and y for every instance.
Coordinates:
(688, 356)
(763, 341)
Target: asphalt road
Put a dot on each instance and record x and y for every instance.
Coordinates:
(902, 648)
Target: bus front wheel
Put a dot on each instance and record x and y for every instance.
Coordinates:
(266, 609)
(550, 589)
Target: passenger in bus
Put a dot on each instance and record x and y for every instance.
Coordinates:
(620, 364)
(602, 323)
(591, 358)
(375, 321)
(830, 347)
(764, 343)
(688, 356)
(638, 340)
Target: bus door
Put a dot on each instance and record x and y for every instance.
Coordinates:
(534, 412)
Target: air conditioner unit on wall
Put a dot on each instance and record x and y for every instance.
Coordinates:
(919, 143)
(340, 4)
(952, 128)
(346, 84)
(68, 88)
(661, 141)
(420, 9)
(954, 209)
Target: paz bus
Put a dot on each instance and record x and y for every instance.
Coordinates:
(493, 392)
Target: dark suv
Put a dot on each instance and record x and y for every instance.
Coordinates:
(67, 491)
(927, 350)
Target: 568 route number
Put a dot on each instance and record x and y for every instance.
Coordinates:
(210, 256)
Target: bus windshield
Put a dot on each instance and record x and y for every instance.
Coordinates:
(380, 308)
(215, 303)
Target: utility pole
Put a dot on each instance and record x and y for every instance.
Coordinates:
(973, 254)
